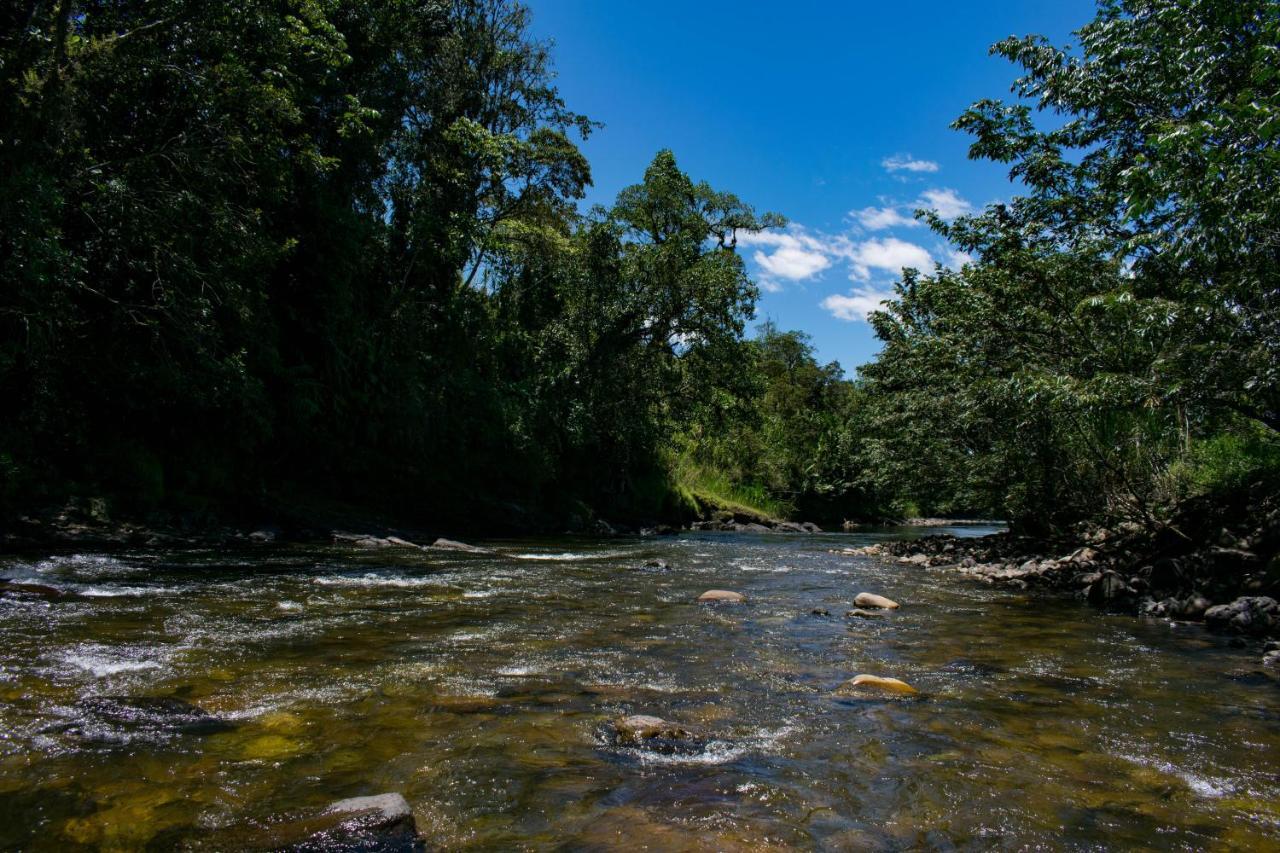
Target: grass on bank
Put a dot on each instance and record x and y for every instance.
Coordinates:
(712, 491)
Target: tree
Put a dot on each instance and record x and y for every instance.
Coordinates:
(1125, 306)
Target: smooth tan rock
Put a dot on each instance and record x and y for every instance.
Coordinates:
(443, 544)
(870, 599)
(864, 614)
(874, 683)
(722, 595)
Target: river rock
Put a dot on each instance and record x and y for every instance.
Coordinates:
(716, 596)
(1194, 607)
(751, 527)
(658, 565)
(16, 589)
(1271, 660)
(443, 544)
(1254, 615)
(870, 599)
(1166, 608)
(152, 713)
(656, 734)
(382, 823)
(875, 683)
(864, 614)
(1108, 590)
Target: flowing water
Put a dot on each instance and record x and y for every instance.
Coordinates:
(482, 688)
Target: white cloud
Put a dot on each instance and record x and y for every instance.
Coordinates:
(956, 259)
(796, 255)
(794, 263)
(889, 254)
(879, 218)
(906, 163)
(947, 203)
(857, 305)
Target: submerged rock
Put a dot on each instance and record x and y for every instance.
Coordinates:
(717, 596)
(15, 589)
(875, 683)
(864, 614)
(656, 734)
(658, 565)
(870, 599)
(1256, 615)
(152, 713)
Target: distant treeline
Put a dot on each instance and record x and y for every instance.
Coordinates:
(333, 248)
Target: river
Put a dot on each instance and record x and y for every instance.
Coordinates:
(482, 688)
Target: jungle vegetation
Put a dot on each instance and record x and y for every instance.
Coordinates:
(334, 248)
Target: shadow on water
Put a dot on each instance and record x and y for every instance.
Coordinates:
(178, 696)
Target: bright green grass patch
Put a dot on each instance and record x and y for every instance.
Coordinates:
(713, 490)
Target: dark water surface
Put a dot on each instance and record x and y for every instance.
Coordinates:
(482, 689)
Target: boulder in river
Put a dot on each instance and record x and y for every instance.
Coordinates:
(864, 614)
(721, 596)
(1255, 615)
(656, 734)
(443, 544)
(875, 684)
(870, 599)
(382, 823)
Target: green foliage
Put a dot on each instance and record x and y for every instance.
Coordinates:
(1123, 309)
(1227, 462)
(335, 245)
(791, 439)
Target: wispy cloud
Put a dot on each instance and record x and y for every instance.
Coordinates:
(880, 218)
(947, 203)
(907, 163)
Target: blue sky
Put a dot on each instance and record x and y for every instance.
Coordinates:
(834, 114)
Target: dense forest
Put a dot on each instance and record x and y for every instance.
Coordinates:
(331, 251)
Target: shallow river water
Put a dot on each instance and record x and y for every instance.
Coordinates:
(482, 688)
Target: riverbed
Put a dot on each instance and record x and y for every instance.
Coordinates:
(482, 688)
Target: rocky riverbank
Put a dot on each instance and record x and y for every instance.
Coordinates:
(91, 524)
(1227, 577)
